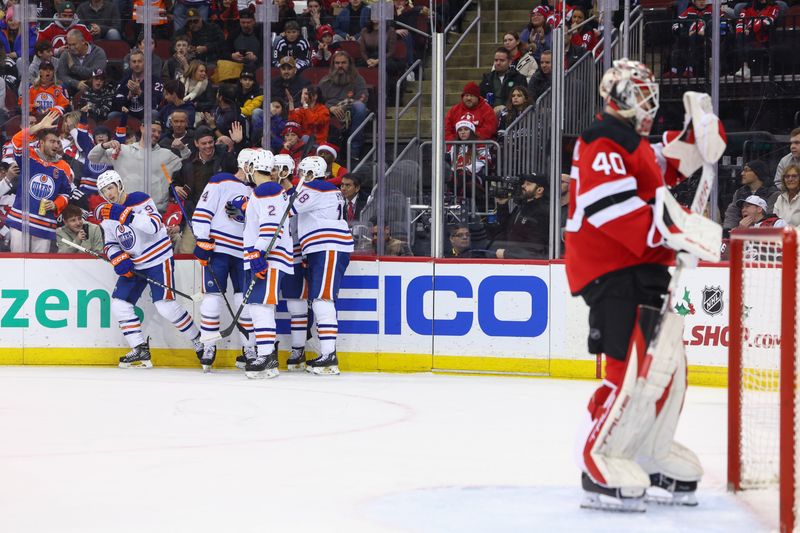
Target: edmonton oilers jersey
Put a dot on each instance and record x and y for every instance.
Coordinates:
(210, 221)
(266, 207)
(145, 239)
(49, 181)
(321, 223)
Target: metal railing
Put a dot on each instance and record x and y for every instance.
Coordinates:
(416, 98)
(474, 24)
(370, 155)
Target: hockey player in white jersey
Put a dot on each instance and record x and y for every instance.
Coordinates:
(136, 239)
(219, 248)
(326, 243)
(294, 287)
(263, 217)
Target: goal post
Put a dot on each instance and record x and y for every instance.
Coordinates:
(762, 365)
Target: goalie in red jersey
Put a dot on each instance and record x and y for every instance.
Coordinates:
(623, 231)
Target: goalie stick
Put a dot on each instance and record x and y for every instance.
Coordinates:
(210, 270)
(195, 297)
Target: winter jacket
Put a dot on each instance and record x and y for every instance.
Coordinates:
(102, 102)
(81, 68)
(107, 17)
(349, 23)
(491, 83)
(788, 210)
(209, 35)
(733, 214)
(482, 115)
(540, 82)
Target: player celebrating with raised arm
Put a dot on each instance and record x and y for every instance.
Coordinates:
(136, 239)
(622, 233)
(326, 243)
(218, 226)
(264, 218)
(294, 287)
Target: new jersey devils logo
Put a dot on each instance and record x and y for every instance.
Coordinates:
(126, 237)
(42, 187)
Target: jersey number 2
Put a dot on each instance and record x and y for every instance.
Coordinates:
(605, 163)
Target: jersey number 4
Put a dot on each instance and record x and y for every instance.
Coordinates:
(606, 162)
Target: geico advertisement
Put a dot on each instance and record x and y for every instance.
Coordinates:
(415, 308)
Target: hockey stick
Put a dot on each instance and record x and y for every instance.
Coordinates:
(195, 298)
(217, 336)
(227, 331)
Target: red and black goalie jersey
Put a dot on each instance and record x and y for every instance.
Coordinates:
(615, 175)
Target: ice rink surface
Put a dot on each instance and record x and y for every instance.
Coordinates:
(108, 450)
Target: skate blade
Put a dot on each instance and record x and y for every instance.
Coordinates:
(240, 365)
(206, 369)
(323, 370)
(138, 364)
(601, 502)
(296, 368)
(661, 496)
(262, 374)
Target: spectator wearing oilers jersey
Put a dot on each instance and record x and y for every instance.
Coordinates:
(56, 31)
(137, 241)
(291, 44)
(620, 242)
(753, 26)
(692, 33)
(45, 94)
(326, 243)
(474, 109)
(49, 186)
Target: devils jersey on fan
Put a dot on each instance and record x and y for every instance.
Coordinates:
(49, 181)
(321, 224)
(209, 220)
(615, 175)
(265, 208)
(145, 239)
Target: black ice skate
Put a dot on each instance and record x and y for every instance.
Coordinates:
(297, 360)
(248, 352)
(262, 366)
(138, 357)
(622, 500)
(198, 347)
(324, 365)
(665, 490)
(207, 357)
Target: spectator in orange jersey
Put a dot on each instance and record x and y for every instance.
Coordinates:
(312, 115)
(45, 94)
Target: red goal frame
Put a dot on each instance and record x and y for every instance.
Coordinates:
(789, 279)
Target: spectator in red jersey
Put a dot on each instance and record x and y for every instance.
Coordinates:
(753, 27)
(292, 143)
(227, 18)
(586, 36)
(474, 109)
(56, 31)
(324, 48)
(688, 56)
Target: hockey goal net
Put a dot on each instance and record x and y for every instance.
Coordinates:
(763, 413)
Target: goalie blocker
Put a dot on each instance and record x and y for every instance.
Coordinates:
(622, 233)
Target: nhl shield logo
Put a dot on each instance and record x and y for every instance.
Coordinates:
(712, 300)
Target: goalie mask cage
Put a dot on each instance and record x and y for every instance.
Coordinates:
(763, 415)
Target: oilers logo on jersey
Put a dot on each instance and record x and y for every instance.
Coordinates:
(97, 168)
(42, 186)
(125, 237)
(44, 101)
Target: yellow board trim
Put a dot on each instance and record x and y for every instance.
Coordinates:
(354, 362)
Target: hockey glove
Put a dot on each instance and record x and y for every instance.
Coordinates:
(120, 213)
(257, 262)
(235, 209)
(683, 231)
(123, 266)
(203, 250)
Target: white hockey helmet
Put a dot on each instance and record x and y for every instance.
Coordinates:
(313, 164)
(284, 161)
(109, 177)
(264, 161)
(630, 88)
(246, 158)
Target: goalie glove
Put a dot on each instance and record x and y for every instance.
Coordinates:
(702, 139)
(257, 262)
(203, 250)
(683, 231)
(123, 265)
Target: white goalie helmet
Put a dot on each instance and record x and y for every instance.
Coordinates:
(282, 161)
(313, 164)
(264, 161)
(109, 177)
(630, 88)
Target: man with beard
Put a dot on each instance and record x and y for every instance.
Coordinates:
(130, 91)
(344, 92)
(526, 228)
(474, 109)
(245, 46)
(289, 80)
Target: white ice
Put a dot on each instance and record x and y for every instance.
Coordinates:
(107, 450)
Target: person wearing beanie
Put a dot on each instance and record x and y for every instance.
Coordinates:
(755, 181)
(474, 109)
